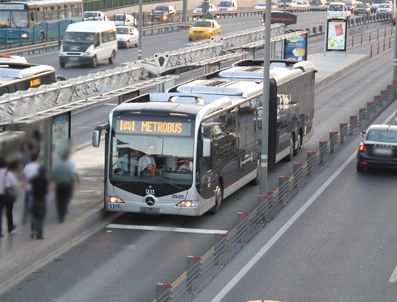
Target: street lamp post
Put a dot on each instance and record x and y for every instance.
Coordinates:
(395, 48)
(265, 103)
(140, 31)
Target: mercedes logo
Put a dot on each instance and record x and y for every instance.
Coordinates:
(149, 200)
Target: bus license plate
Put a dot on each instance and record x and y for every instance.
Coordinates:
(149, 210)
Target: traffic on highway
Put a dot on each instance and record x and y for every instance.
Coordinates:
(132, 158)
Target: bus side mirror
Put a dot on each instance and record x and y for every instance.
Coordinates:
(206, 147)
(96, 137)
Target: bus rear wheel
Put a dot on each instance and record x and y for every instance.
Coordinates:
(111, 59)
(291, 148)
(218, 200)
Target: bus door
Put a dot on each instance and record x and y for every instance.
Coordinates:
(283, 131)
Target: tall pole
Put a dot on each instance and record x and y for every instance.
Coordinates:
(284, 8)
(265, 103)
(184, 11)
(395, 44)
(140, 31)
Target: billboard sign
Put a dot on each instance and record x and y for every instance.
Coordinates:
(295, 47)
(284, 18)
(336, 35)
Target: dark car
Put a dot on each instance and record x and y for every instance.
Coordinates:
(378, 148)
(163, 13)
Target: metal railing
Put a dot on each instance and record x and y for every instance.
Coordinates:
(202, 269)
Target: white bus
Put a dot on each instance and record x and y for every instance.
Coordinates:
(184, 151)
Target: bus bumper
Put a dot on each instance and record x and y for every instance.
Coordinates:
(164, 209)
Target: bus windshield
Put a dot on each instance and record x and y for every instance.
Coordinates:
(152, 150)
(13, 18)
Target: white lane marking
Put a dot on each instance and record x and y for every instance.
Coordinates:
(164, 229)
(229, 286)
(393, 277)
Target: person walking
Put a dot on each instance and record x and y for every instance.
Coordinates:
(39, 185)
(8, 187)
(63, 176)
(30, 171)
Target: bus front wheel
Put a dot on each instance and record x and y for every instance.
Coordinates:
(218, 199)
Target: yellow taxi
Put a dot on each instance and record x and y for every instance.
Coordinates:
(204, 29)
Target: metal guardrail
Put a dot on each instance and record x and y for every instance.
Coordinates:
(197, 52)
(24, 103)
(202, 269)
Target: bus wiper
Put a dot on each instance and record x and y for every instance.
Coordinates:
(172, 184)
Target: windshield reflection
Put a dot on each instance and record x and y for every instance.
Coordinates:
(152, 159)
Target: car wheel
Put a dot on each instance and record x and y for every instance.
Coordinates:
(218, 199)
(112, 57)
(94, 62)
(127, 45)
(298, 144)
(360, 168)
(62, 64)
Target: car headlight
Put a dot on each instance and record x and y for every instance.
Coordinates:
(114, 199)
(187, 203)
(89, 50)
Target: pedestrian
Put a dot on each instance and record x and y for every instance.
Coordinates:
(8, 195)
(63, 175)
(30, 171)
(39, 185)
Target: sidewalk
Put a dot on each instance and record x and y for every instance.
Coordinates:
(19, 255)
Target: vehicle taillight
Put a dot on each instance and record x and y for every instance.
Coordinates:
(362, 147)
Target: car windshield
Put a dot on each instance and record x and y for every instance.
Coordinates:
(118, 17)
(261, 4)
(225, 4)
(315, 2)
(123, 30)
(152, 150)
(202, 24)
(13, 19)
(161, 8)
(79, 37)
(378, 1)
(90, 14)
(360, 6)
(199, 5)
(384, 136)
(335, 8)
(384, 6)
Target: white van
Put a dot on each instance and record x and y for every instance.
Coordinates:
(338, 10)
(94, 16)
(89, 42)
(227, 5)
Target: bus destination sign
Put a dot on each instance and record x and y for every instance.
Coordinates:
(153, 127)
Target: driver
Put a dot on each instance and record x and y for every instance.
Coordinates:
(147, 164)
(187, 166)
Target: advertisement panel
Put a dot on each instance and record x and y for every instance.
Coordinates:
(60, 135)
(336, 35)
(295, 47)
(283, 18)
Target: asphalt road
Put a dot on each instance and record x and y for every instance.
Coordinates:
(169, 41)
(125, 265)
(342, 248)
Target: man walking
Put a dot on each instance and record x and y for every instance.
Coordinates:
(8, 186)
(39, 193)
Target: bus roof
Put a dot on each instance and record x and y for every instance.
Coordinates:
(218, 86)
(91, 26)
(279, 71)
(10, 72)
(39, 2)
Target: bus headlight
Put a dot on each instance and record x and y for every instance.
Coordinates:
(187, 203)
(24, 36)
(114, 199)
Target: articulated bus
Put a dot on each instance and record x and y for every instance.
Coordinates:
(182, 152)
(17, 74)
(37, 21)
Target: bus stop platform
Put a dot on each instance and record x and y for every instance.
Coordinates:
(20, 255)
